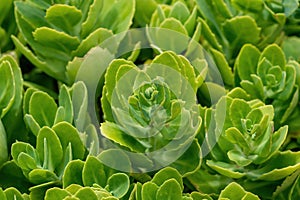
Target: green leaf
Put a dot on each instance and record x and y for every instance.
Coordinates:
(238, 92)
(114, 133)
(239, 158)
(65, 102)
(12, 172)
(27, 162)
(179, 11)
(29, 17)
(86, 193)
(255, 87)
(208, 11)
(279, 137)
(290, 46)
(5, 8)
(64, 17)
(49, 148)
(189, 161)
(274, 170)
(22, 148)
(13, 194)
(68, 135)
(44, 113)
(290, 83)
(56, 193)
(113, 158)
(247, 61)
(32, 124)
(235, 192)
(117, 16)
(223, 67)
(100, 37)
(236, 137)
(239, 110)
(39, 176)
(287, 187)
(291, 108)
(191, 23)
(118, 184)
(209, 35)
(249, 5)
(61, 42)
(73, 173)
(275, 55)
(167, 174)
(73, 188)
(7, 87)
(208, 183)
(149, 191)
(144, 10)
(200, 196)
(80, 105)
(160, 37)
(237, 32)
(92, 21)
(229, 170)
(3, 145)
(169, 190)
(2, 194)
(93, 172)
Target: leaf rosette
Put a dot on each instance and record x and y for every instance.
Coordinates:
(225, 25)
(146, 113)
(58, 32)
(247, 145)
(172, 27)
(266, 76)
(72, 107)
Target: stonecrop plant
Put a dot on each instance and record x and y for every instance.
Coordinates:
(149, 99)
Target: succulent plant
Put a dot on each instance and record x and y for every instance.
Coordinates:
(225, 25)
(55, 148)
(172, 26)
(266, 76)
(145, 112)
(72, 108)
(246, 144)
(58, 31)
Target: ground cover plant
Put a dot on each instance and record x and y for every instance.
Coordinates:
(149, 99)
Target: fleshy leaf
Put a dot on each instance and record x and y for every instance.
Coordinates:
(93, 172)
(44, 113)
(235, 192)
(167, 174)
(59, 15)
(118, 184)
(170, 189)
(73, 173)
(49, 148)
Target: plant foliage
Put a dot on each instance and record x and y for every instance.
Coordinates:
(149, 99)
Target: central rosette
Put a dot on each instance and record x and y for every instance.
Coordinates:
(151, 111)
